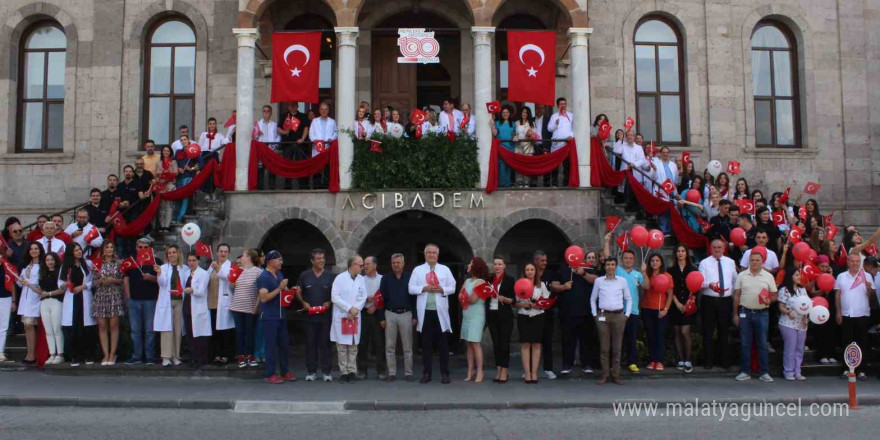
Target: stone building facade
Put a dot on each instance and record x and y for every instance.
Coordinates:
(837, 98)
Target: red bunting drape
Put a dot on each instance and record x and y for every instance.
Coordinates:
(601, 174)
(133, 229)
(224, 175)
(295, 169)
(194, 184)
(532, 165)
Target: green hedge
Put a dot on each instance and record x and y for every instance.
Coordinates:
(430, 162)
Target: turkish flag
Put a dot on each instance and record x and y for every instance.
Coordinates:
(802, 213)
(531, 66)
(296, 58)
(10, 276)
(778, 218)
(128, 264)
(623, 241)
(795, 235)
(114, 206)
(291, 123)
(493, 107)
(417, 116)
(704, 224)
(177, 290)
(668, 186)
(234, 272)
(231, 121)
(764, 297)
(484, 291)
(746, 206)
(418, 131)
(91, 235)
(812, 188)
(651, 149)
(733, 167)
(630, 122)
(463, 299)
(431, 279)
(832, 231)
(841, 257)
(349, 326)
(871, 250)
(826, 220)
(320, 146)
(287, 296)
(544, 303)
(145, 257)
(611, 223)
(784, 197)
(860, 279)
(376, 146)
(685, 158)
(204, 250)
(378, 300)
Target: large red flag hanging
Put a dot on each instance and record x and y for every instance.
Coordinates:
(531, 66)
(296, 58)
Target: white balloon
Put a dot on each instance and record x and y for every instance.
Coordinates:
(800, 304)
(819, 315)
(190, 233)
(714, 168)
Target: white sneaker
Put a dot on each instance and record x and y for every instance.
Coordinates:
(58, 359)
(328, 378)
(311, 377)
(176, 362)
(166, 362)
(549, 374)
(765, 378)
(832, 361)
(680, 365)
(3, 357)
(824, 361)
(742, 376)
(791, 378)
(800, 377)
(74, 364)
(564, 372)
(587, 370)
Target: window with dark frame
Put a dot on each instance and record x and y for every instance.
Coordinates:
(41, 91)
(774, 86)
(659, 73)
(169, 80)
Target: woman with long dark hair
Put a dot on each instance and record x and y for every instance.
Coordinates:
(109, 304)
(854, 244)
(499, 316)
(530, 324)
(525, 134)
(655, 310)
(679, 270)
(792, 325)
(741, 189)
(813, 218)
(504, 130)
(688, 174)
(473, 320)
(166, 173)
(29, 301)
(51, 297)
(76, 317)
(597, 121)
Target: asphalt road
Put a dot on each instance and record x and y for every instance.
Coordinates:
(131, 424)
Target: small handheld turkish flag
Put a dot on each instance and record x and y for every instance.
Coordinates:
(685, 158)
(417, 116)
(668, 186)
(746, 206)
(764, 296)
(91, 235)
(177, 289)
(463, 299)
(604, 130)
(231, 121)
(349, 326)
(294, 123)
(812, 188)
(826, 220)
(704, 224)
(204, 250)
(378, 300)
(545, 303)
(193, 151)
(778, 218)
(690, 306)
(795, 234)
(418, 131)
(145, 257)
(287, 296)
(234, 272)
(832, 231)
(733, 167)
(871, 250)
(484, 291)
(431, 279)
(320, 146)
(651, 149)
(10, 276)
(630, 122)
(493, 107)
(784, 197)
(860, 279)
(376, 146)
(611, 223)
(623, 241)
(128, 264)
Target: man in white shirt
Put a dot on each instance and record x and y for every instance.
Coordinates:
(349, 296)
(852, 291)
(561, 127)
(433, 282)
(716, 305)
(323, 128)
(755, 291)
(449, 120)
(610, 305)
(664, 169)
(467, 124)
(633, 156)
(267, 132)
(81, 228)
(771, 264)
(49, 242)
(176, 146)
(372, 325)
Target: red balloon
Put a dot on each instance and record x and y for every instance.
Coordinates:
(661, 283)
(738, 236)
(639, 236)
(820, 301)
(692, 196)
(825, 282)
(193, 151)
(801, 251)
(694, 281)
(812, 256)
(574, 255)
(655, 239)
(523, 288)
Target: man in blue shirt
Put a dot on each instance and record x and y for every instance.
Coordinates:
(399, 306)
(270, 284)
(630, 335)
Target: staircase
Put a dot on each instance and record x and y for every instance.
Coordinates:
(206, 211)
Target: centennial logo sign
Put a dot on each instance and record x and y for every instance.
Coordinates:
(417, 46)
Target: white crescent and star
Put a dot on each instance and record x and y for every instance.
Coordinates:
(533, 48)
(296, 48)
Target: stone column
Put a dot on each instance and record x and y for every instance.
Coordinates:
(244, 107)
(580, 99)
(346, 101)
(482, 95)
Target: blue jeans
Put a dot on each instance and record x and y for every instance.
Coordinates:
(753, 324)
(655, 328)
(184, 204)
(277, 345)
(140, 315)
(663, 222)
(244, 333)
(630, 337)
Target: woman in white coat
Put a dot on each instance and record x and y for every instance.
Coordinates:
(349, 295)
(223, 337)
(196, 316)
(168, 320)
(29, 301)
(77, 321)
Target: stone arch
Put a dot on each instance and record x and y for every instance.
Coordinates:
(250, 16)
(467, 228)
(796, 22)
(566, 226)
(10, 42)
(295, 239)
(390, 9)
(521, 240)
(577, 16)
(274, 217)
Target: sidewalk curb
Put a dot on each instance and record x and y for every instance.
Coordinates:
(376, 405)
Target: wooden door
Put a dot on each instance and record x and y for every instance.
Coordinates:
(393, 84)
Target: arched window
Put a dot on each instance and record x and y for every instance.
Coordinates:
(41, 89)
(660, 105)
(774, 85)
(169, 80)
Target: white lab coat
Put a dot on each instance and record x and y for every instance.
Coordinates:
(67, 305)
(322, 130)
(224, 297)
(447, 282)
(163, 319)
(201, 316)
(345, 294)
(659, 173)
(58, 246)
(81, 239)
(29, 302)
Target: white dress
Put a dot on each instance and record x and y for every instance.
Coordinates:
(29, 302)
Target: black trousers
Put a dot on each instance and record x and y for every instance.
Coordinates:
(547, 339)
(855, 330)
(222, 341)
(318, 346)
(431, 332)
(716, 314)
(580, 332)
(372, 344)
(198, 346)
(500, 328)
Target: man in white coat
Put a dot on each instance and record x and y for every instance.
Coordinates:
(663, 169)
(49, 242)
(323, 128)
(223, 336)
(349, 295)
(449, 120)
(633, 157)
(81, 228)
(433, 283)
